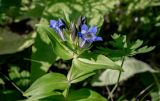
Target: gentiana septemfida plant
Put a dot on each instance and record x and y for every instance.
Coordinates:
(71, 41)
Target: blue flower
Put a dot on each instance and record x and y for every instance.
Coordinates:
(88, 35)
(58, 27)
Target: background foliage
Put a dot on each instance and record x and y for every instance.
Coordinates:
(26, 53)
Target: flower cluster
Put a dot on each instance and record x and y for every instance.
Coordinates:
(85, 34)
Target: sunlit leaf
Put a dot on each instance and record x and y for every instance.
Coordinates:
(11, 42)
(94, 10)
(131, 67)
(20, 78)
(46, 85)
(82, 68)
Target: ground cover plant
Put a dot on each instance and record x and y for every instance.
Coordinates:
(79, 50)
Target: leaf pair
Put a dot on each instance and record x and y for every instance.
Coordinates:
(53, 84)
(82, 68)
(44, 89)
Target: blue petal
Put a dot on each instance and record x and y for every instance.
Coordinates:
(84, 29)
(53, 23)
(93, 29)
(60, 23)
(90, 40)
(81, 35)
(98, 39)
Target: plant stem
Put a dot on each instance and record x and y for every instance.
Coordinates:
(13, 83)
(109, 92)
(143, 91)
(157, 83)
(117, 84)
(66, 92)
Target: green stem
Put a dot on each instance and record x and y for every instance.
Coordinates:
(117, 84)
(157, 83)
(143, 91)
(109, 93)
(13, 83)
(66, 92)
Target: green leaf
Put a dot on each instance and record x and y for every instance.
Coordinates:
(42, 55)
(123, 47)
(155, 95)
(10, 8)
(81, 78)
(144, 49)
(11, 42)
(46, 85)
(131, 67)
(49, 96)
(1, 81)
(137, 44)
(94, 10)
(82, 68)
(97, 20)
(20, 78)
(85, 95)
(35, 12)
(119, 42)
(57, 97)
(59, 47)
